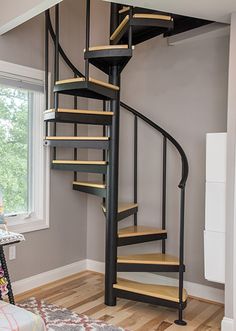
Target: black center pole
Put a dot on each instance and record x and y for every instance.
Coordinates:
(112, 192)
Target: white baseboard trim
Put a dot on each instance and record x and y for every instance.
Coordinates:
(227, 324)
(196, 290)
(193, 289)
(30, 283)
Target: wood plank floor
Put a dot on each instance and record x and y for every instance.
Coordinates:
(83, 293)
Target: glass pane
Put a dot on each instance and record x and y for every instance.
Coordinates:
(14, 151)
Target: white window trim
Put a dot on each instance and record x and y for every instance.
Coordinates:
(39, 219)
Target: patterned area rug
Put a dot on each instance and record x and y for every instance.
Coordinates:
(62, 319)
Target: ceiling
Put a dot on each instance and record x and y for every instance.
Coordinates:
(213, 10)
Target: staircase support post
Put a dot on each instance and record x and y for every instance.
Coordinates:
(112, 181)
(112, 196)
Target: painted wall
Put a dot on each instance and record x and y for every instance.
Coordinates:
(65, 241)
(184, 89)
(14, 13)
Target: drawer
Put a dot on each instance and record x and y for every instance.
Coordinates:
(214, 256)
(215, 207)
(216, 144)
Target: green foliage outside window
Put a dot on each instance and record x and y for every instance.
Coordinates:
(14, 137)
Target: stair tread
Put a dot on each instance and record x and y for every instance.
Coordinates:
(154, 16)
(75, 138)
(165, 292)
(124, 9)
(79, 111)
(90, 184)
(107, 47)
(91, 80)
(78, 162)
(132, 231)
(150, 258)
(123, 206)
(144, 16)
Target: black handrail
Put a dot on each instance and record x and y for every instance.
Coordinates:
(168, 136)
(185, 167)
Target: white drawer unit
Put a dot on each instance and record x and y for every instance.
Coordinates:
(215, 213)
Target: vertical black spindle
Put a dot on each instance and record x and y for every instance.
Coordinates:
(130, 38)
(56, 56)
(75, 133)
(56, 69)
(135, 166)
(87, 41)
(164, 168)
(104, 152)
(46, 63)
(180, 321)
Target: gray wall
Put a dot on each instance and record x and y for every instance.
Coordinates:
(184, 89)
(65, 241)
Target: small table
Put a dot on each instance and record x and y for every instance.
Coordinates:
(8, 238)
(6, 273)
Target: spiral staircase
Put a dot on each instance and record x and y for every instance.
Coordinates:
(129, 26)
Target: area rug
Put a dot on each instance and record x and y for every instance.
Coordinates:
(62, 319)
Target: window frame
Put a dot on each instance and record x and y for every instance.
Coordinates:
(39, 218)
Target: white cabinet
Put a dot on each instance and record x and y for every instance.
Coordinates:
(214, 234)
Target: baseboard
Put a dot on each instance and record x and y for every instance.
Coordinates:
(196, 290)
(193, 289)
(227, 324)
(30, 283)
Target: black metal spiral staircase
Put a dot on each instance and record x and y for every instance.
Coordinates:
(129, 26)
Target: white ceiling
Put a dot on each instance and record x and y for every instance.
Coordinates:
(215, 10)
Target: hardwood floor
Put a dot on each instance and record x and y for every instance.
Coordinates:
(83, 293)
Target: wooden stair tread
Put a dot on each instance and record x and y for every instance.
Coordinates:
(120, 27)
(164, 292)
(154, 16)
(90, 184)
(91, 80)
(144, 16)
(75, 138)
(79, 111)
(150, 258)
(107, 47)
(140, 230)
(79, 162)
(123, 207)
(124, 9)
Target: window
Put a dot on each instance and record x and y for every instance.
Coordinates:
(24, 167)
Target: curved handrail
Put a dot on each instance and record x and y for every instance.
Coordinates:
(185, 167)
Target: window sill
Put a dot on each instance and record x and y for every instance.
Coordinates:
(29, 225)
